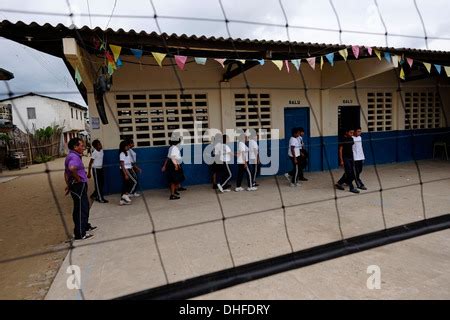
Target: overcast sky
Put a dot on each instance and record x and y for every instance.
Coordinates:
(42, 73)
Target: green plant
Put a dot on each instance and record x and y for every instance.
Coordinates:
(42, 158)
(5, 137)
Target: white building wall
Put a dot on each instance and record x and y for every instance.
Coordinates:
(48, 112)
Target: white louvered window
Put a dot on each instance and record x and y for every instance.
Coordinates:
(150, 119)
(422, 110)
(379, 111)
(253, 111)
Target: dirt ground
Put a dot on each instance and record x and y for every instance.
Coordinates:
(32, 233)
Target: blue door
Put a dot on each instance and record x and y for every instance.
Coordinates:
(293, 117)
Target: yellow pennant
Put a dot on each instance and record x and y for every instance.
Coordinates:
(378, 53)
(321, 62)
(159, 57)
(402, 74)
(278, 63)
(447, 70)
(116, 51)
(428, 66)
(344, 53)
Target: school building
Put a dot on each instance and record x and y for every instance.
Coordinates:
(400, 97)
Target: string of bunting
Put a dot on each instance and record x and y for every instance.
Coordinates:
(114, 62)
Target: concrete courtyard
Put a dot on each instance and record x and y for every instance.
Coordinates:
(191, 236)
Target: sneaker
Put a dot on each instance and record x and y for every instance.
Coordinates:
(181, 189)
(219, 186)
(176, 193)
(86, 237)
(256, 184)
(288, 177)
(338, 186)
(227, 186)
(174, 197)
(126, 198)
(303, 179)
(362, 188)
(227, 190)
(239, 189)
(91, 228)
(123, 202)
(354, 190)
(103, 201)
(252, 189)
(293, 185)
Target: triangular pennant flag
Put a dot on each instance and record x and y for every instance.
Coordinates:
(110, 69)
(330, 58)
(369, 50)
(297, 63)
(387, 56)
(159, 57)
(312, 62)
(402, 74)
(109, 57)
(395, 60)
(180, 61)
(344, 53)
(261, 62)
(137, 53)
(410, 62)
(355, 50)
(321, 62)
(278, 63)
(116, 51)
(78, 76)
(221, 61)
(119, 63)
(438, 68)
(201, 61)
(286, 62)
(447, 70)
(428, 66)
(241, 61)
(102, 46)
(378, 53)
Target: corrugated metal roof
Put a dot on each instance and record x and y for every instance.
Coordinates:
(47, 38)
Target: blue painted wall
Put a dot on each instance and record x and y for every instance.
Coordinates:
(379, 148)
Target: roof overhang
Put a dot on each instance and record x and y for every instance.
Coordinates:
(6, 75)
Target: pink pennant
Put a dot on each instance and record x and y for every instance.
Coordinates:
(221, 61)
(369, 50)
(286, 62)
(410, 61)
(312, 62)
(181, 61)
(355, 50)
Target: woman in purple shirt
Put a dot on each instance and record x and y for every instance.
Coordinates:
(76, 181)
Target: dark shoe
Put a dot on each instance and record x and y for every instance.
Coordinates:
(176, 193)
(362, 188)
(102, 201)
(338, 186)
(256, 185)
(174, 197)
(91, 228)
(303, 179)
(181, 189)
(86, 237)
(354, 190)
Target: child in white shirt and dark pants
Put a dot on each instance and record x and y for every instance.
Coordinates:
(358, 157)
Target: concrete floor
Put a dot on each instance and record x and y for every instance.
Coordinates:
(190, 235)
